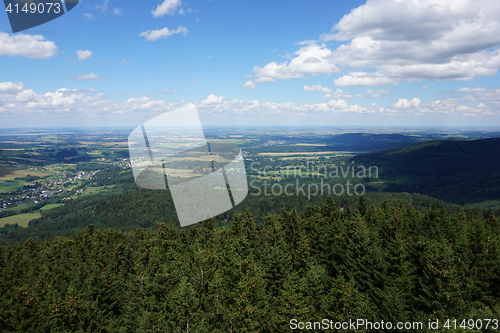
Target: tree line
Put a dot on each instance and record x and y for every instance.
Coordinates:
(377, 262)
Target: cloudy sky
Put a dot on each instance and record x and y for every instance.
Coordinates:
(311, 62)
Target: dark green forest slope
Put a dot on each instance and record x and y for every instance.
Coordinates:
(459, 172)
(371, 142)
(390, 263)
(144, 208)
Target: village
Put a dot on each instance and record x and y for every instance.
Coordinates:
(75, 184)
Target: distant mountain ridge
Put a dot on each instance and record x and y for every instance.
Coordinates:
(371, 142)
(455, 171)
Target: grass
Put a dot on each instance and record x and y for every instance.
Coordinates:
(291, 172)
(7, 186)
(10, 174)
(51, 206)
(273, 178)
(300, 153)
(18, 207)
(99, 190)
(22, 219)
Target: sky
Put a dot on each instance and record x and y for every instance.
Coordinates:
(296, 63)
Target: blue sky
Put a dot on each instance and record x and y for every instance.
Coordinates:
(334, 63)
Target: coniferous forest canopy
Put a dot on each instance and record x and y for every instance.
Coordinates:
(99, 254)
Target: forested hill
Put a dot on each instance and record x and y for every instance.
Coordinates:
(370, 142)
(455, 171)
(143, 208)
(391, 264)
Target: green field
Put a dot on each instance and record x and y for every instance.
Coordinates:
(99, 190)
(51, 206)
(19, 207)
(291, 172)
(21, 219)
(7, 186)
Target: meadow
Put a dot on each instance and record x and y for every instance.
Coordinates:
(22, 219)
(11, 173)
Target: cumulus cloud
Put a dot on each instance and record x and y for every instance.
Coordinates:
(167, 7)
(117, 11)
(82, 55)
(152, 35)
(88, 77)
(165, 91)
(339, 93)
(318, 88)
(15, 99)
(11, 87)
(310, 59)
(252, 84)
(474, 94)
(376, 93)
(30, 46)
(364, 79)
(168, 91)
(104, 7)
(61, 101)
(385, 41)
(89, 16)
(213, 99)
(404, 103)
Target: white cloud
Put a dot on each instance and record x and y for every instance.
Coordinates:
(339, 93)
(126, 61)
(117, 11)
(371, 93)
(473, 94)
(364, 79)
(104, 7)
(89, 16)
(318, 88)
(62, 101)
(152, 35)
(89, 77)
(213, 99)
(194, 80)
(168, 7)
(181, 11)
(11, 87)
(252, 84)
(377, 92)
(145, 104)
(15, 100)
(310, 59)
(30, 46)
(168, 91)
(404, 103)
(82, 55)
(415, 40)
